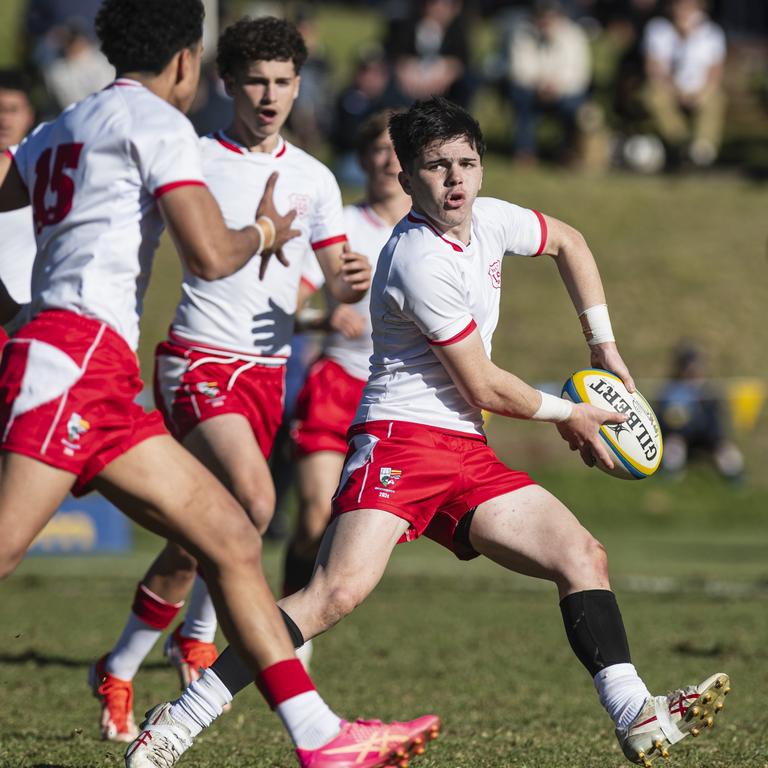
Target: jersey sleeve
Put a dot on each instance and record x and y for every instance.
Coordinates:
(326, 223)
(429, 292)
(523, 231)
(168, 158)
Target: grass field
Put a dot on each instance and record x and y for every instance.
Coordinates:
(482, 648)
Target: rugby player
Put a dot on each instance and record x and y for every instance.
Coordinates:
(219, 376)
(102, 178)
(418, 462)
(327, 403)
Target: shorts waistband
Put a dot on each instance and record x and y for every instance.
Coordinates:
(409, 429)
(82, 322)
(267, 361)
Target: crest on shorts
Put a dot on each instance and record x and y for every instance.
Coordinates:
(494, 272)
(208, 388)
(77, 426)
(388, 476)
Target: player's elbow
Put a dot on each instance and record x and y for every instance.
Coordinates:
(480, 395)
(206, 266)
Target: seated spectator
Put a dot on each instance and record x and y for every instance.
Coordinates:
(684, 57)
(691, 414)
(429, 52)
(16, 112)
(550, 70)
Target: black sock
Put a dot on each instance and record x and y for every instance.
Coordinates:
(234, 674)
(595, 629)
(296, 637)
(297, 570)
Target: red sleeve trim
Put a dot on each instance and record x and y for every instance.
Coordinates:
(458, 337)
(161, 190)
(7, 153)
(329, 241)
(306, 281)
(543, 223)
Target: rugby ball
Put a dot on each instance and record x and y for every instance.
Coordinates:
(636, 445)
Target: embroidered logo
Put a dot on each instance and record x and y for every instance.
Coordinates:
(76, 427)
(208, 388)
(300, 203)
(494, 272)
(389, 476)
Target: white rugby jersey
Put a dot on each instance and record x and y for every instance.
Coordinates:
(93, 176)
(368, 234)
(241, 313)
(431, 290)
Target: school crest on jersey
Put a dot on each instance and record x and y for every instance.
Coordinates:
(300, 203)
(494, 272)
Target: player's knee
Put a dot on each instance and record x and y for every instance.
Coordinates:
(590, 559)
(342, 599)
(259, 503)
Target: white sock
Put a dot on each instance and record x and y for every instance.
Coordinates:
(201, 702)
(309, 720)
(132, 648)
(621, 692)
(200, 621)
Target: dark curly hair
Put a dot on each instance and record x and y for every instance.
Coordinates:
(263, 39)
(429, 120)
(144, 35)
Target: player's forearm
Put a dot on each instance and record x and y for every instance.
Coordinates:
(342, 291)
(579, 272)
(503, 393)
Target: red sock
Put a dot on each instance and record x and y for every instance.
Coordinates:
(152, 609)
(283, 681)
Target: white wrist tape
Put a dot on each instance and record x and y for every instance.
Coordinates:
(260, 247)
(268, 231)
(596, 325)
(552, 408)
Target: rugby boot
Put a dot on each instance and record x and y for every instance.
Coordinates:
(373, 744)
(189, 656)
(115, 697)
(665, 720)
(162, 740)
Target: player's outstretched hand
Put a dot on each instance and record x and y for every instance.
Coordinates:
(607, 356)
(347, 321)
(582, 432)
(282, 224)
(355, 269)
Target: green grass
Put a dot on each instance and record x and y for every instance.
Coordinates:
(483, 648)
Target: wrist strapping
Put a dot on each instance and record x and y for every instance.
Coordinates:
(596, 325)
(268, 231)
(552, 408)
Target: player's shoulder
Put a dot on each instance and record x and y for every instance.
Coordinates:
(417, 252)
(493, 211)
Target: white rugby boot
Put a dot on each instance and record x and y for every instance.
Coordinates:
(161, 743)
(666, 720)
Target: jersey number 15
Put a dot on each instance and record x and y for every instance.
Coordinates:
(53, 180)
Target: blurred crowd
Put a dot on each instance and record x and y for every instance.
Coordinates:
(662, 103)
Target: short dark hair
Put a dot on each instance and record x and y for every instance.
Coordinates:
(263, 39)
(144, 35)
(430, 120)
(14, 80)
(373, 126)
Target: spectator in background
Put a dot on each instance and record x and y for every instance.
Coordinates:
(429, 52)
(371, 90)
(684, 57)
(311, 117)
(691, 414)
(16, 112)
(550, 70)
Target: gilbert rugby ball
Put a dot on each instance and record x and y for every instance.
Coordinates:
(636, 445)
